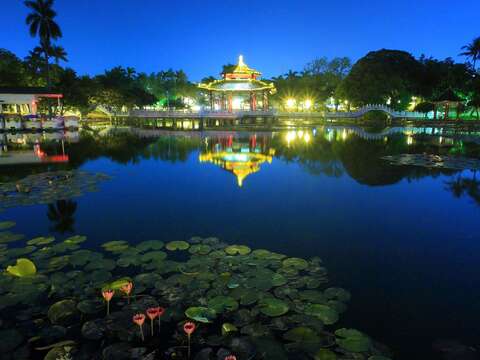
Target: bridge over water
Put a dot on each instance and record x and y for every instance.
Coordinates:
(266, 114)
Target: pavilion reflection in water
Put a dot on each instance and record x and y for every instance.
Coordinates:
(241, 157)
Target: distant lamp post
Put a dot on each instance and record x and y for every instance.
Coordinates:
(290, 103)
(307, 104)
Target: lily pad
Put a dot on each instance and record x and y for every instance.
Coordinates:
(323, 312)
(325, 354)
(117, 284)
(223, 303)
(200, 249)
(24, 267)
(201, 314)
(228, 328)
(296, 263)
(353, 340)
(154, 256)
(62, 311)
(301, 334)
(177, 245)
(273, 307)
(75, 240)
(4, 225)
(337, 294)
(41, 241)
(237, 250)
(150, 245)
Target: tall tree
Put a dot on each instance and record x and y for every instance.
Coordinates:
(41, 22)
(382, 77)
(472, 51)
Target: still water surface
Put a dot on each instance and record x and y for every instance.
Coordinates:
(403, 240)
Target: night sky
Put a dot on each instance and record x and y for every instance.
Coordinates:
(273, 35)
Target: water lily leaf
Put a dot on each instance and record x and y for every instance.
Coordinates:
(117, 284)
(23, 267)
(201, 314)
(90, 306)
(296, 263)
(103, 264)
(154, 256)
(115, 246)
(237, 249)
(41, 241)
(200, 249)
(273, 307)
(227, 328)
(7, 237)
(378, 357)
(325, 354)
(75, 240)
(4, 225)
(279, 280)
(323, 312)
(223, 303)
(353, 340)
(150, 245)
(301, 334)
(58, 344)
(62, 311)
(177, 245)
(337, 294)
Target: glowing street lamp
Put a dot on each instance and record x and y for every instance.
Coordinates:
(308, 104)
(290, 103)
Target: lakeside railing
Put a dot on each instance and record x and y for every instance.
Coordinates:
(267, 113)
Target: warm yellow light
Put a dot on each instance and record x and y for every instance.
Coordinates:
(308, 104)
(290, 103)
(306, 138)
(290, 137)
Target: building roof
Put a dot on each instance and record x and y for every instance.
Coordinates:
(241, 78)
(237, 85)
(243, 68)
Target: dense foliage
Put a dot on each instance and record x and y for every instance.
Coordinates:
(390, 77)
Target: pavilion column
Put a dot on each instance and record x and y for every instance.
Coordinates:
(223, 107)
(211, 102)
(254, 101)
(230, 102)
(265, 101)
(447, 110)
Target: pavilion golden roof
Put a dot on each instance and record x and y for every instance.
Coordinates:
(243, 68)
(241, 78)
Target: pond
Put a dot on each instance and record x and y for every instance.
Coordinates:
(265, 228)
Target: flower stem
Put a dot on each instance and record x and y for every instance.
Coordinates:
(141, 332)
(189, 346)
(159, 323)
(108, 308)
(151, 326)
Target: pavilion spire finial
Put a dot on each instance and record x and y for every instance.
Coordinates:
(240, 61)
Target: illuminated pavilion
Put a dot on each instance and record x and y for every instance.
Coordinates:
(239, 90)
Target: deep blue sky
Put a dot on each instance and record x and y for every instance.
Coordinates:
(273, 35)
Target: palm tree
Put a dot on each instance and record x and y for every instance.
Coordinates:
(472, 51)
(42, 24)
(58, 53)
(474, 103)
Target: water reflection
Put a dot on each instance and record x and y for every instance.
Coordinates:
(237, 155)
(332, 151)
(61, 215)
